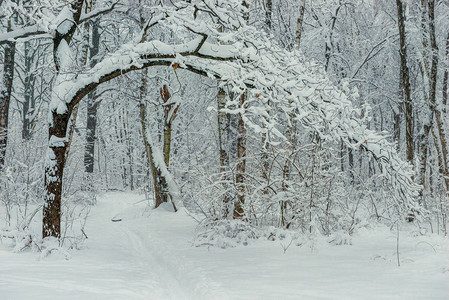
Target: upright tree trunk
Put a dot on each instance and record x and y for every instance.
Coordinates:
(398, 114)
(170, 114)
(446, 79)
(241, 147)
(92, 105)
(223, 145)
(432, 94)
(299, 24)
(290, 133)
(28, 107)
(241, 165)
(269, 14)
(54, 171)
(329, 42)
(5, 95)
(409, 132)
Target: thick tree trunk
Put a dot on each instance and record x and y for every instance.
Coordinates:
(71, 130)
(409, 132)
(57, 143)
(54, 171)
(5, 97)
(92, 105)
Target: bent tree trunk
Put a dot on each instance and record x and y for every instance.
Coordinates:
(161, 189)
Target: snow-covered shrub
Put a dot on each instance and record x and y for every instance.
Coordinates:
(226, 233)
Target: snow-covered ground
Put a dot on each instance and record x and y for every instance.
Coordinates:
(150, 255)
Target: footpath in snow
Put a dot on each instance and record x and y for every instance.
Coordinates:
(149, 254)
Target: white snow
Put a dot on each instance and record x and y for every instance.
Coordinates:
(149, 255)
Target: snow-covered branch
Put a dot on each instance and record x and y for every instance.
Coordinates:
(98, 12)
(246, 58)
(23, 33)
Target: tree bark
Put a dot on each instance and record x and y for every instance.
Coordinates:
(5, 96)
(161, 191)
(409, 132)
(432, 93)
(28, 107)
(299, 24)
(269, 14)
(223, 146)
(57, 143)
(446, 79)
(92, 105)
(398, 114)
(54, 171)
(241, 165)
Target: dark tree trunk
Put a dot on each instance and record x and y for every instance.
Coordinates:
(269, 14)
(432, 96)
(5, 98)
(92, 104)
(54, 171)
(299, 24)
(89, 151)
(28, 108)
(398, 114)
(410, 152)
(57, 143)
(446, 79)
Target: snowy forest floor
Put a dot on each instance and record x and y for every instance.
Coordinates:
(150, 255)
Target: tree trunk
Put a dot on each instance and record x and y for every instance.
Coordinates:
(269, 14)
(432, 93)
(223, 144)
(241, 165)
(410, 152)
(446, 79)
(5, 96)
(92, 105)
(54, 170)
(299, 24)
(329, 42)
(28, 107)
(398, 114)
